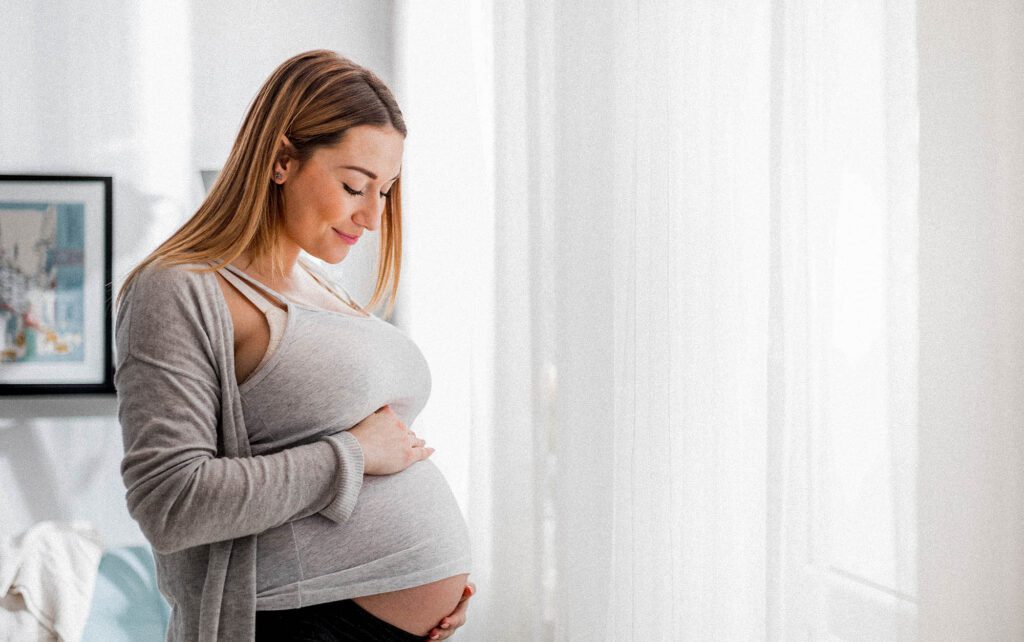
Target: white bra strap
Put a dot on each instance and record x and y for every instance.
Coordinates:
(258, 299)
(277, 318)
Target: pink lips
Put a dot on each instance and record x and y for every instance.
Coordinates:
(351, 240)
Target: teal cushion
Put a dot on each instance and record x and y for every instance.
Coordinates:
(127, 605)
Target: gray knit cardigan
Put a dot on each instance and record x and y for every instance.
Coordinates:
(191, 483)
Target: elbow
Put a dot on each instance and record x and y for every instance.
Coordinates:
(161, 537)
(164, 528)
(163, 544)
(161, 508)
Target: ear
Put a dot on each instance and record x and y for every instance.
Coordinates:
(285, 158)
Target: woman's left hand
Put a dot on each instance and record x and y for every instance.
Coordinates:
(456, 618)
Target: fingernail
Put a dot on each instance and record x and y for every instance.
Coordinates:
(444, 626)
(435, 636)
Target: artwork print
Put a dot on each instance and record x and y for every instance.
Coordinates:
(55, 284)
(41, 251)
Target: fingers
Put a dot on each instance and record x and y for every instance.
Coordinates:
(419, 443)
(446, 628)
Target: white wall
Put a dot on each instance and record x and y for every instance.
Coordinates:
(971, 440)
(149, 93)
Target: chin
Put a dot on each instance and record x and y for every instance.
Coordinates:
(338, 259)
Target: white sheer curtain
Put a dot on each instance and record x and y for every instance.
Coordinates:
(734, 193)
(687, 310)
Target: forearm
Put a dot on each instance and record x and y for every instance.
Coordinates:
(183, 495)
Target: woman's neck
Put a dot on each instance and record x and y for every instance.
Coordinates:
(263, 270)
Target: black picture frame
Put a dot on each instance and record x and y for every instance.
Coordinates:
(55, 284)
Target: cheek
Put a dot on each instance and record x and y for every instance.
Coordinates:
(329, 202)
(316, 207)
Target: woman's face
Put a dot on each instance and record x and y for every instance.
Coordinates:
(340, 188)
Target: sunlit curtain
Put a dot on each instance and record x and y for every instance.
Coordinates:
(736, 318)
(692, 406)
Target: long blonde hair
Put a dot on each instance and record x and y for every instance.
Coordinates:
(312, 98)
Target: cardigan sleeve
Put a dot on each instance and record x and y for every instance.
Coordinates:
(169, 406)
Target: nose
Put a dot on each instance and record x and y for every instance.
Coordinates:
(369, 216)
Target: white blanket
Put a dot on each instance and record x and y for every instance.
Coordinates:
(47, 578)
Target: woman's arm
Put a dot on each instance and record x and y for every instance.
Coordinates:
(172, 334)
(182, 494)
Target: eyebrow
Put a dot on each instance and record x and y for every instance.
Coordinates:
(366, 171)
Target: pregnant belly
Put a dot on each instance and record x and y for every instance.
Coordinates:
(418, 609)
(403, 554)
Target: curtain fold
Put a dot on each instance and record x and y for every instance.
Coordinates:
(691, 213)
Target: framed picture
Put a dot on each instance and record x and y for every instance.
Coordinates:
(55, 285)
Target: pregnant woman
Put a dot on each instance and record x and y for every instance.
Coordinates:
(265, 414)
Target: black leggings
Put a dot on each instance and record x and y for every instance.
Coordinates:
(340, 621)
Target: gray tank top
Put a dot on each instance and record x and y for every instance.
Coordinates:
(323, 371)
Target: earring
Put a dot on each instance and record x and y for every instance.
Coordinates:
(278, 176)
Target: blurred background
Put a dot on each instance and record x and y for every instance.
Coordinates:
(723, 299)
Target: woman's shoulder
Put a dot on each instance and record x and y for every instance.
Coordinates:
(169, 310)
(162, 295)
(159, 281)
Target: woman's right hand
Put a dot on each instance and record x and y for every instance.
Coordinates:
(388, 444)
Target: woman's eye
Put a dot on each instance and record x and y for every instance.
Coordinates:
(355, 193)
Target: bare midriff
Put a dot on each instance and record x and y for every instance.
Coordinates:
(418, 609)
